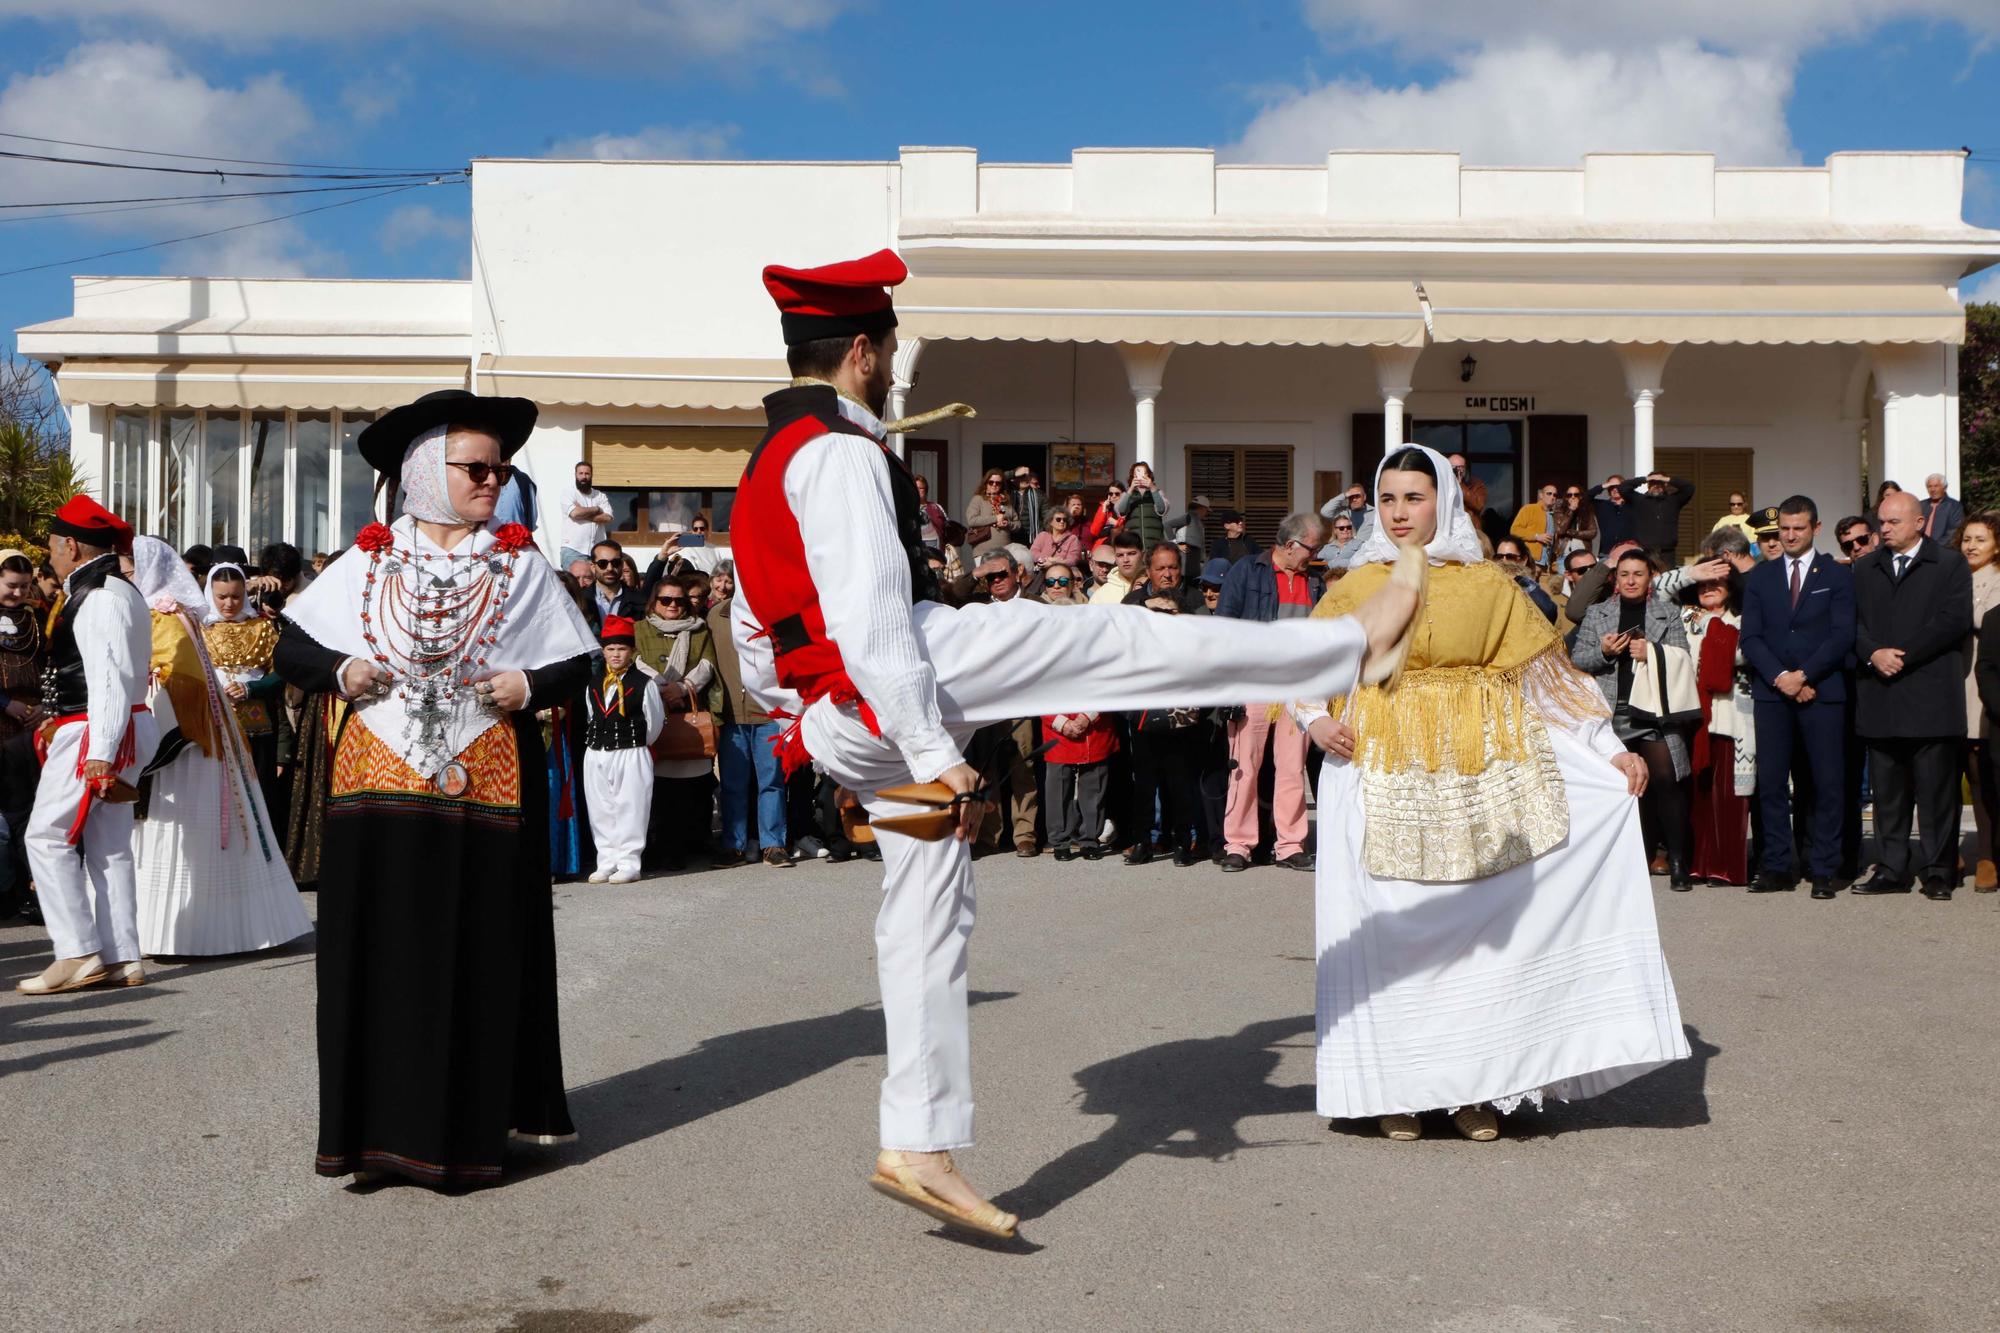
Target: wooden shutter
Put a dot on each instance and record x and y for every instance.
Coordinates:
(1558, 448)
(1715, 473)
(669, 457)
(1254, 479)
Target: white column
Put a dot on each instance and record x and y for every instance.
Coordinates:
(1917, 384)
(1395, 368)
(1145, 372)
(1645, 366)
(903, 378)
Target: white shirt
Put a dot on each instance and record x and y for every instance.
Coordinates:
(578, 535)
(114, 632)
(1902, 559)
(839, 491)
(1803, 564)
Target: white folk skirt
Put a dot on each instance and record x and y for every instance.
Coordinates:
(197, 896)
(1544, 980)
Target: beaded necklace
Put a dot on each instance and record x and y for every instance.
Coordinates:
(435, 632)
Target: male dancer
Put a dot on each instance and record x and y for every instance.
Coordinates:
(881, 685)
(99, 738)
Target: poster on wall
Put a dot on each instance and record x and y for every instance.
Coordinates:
(1088, 465)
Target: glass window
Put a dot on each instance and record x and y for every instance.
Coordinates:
(357, 479)
(267, 481)
(179, 435)
(647, 512)
(128, 466)
(312, 482)
(223, 437)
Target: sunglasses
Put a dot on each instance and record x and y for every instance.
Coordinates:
(479, 472)
(1055, 583)
(1853, 543)
(1573, 495)
(607, 564)
(996, 576)
(672, 601)
(1102, 569)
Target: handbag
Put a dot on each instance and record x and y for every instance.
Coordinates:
(686, 736)
(1663, 689)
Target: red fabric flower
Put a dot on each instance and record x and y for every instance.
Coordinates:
(512, 537)
(375, 537)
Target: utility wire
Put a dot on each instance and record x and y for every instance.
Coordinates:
(218, 231)
(218, 172)
(87, 208)
(204, 157)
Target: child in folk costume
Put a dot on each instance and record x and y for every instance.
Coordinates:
(623, 717)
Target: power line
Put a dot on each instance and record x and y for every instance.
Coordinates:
(86, 208)
(218, 172)
(204, 157)
(218, 231)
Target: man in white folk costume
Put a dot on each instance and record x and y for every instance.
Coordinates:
(841, 636)
(99, 737)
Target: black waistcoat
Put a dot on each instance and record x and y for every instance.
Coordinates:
(822, 403)
(64, 689)
(624, 729)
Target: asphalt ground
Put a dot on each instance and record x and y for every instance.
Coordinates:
(1143, 1068)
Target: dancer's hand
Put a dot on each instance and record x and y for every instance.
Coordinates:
(95, 770)
(236, 690)
(1385, 615)
(1634, 769)
(963, 778)
(1333, 736)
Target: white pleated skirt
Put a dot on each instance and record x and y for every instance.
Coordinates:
(198, 897)
(1544, 980)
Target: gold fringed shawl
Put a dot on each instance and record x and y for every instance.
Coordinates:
(1458, 778)
(177, 667)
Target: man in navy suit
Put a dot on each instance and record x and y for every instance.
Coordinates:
(1798, 632)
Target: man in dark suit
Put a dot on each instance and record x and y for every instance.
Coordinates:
(1940, 513)
(1798, 629)
(1912, 602)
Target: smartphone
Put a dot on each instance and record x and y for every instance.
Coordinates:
(693, 539)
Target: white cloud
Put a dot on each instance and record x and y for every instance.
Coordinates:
(566, 30)
(655, 142)
(1535, 103)
(141, 93)
(375, 96)
(1984, 286)
(1545, 82)
(416, 224)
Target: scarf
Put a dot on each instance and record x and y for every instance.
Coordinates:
(214, 614)
(1457, 538)
(426, 493)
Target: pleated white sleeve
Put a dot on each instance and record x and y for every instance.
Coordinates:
(114, 630)
(1594, 732)
(839, 491)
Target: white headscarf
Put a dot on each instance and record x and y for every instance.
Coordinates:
(1457, 537)
(214, 613)
(426, 489)
(163, 578)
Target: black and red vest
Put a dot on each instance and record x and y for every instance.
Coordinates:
(770, 552)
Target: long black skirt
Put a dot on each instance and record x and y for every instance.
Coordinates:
(438, 1035)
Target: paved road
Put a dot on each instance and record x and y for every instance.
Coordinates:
(1826, 1161)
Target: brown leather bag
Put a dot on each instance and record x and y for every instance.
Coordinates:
(686, 736)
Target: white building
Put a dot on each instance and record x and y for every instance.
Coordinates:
(1257, 332)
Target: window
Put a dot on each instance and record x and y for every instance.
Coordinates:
(127, 482)
(642, 514)
(267, 481)
(180, 437)
(312, 482)
(1254, 480)
(357, 480)
(222, 447)
(1715, 473)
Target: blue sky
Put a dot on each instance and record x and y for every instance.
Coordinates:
(434, 83)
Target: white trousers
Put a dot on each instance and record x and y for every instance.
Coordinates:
(88, 893)
(1024, 659)
(618, 786)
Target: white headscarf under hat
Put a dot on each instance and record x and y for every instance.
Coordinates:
(1457, 536)
(426, 489)
(163, 578)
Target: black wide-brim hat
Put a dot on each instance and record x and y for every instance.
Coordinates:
(389, 436)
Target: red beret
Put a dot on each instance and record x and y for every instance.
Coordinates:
(836, 300)
(90, 522)
(617, 629)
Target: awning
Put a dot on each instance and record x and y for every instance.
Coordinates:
(1305, 312)
(612, 381)
(309, 385)
(1672, 312)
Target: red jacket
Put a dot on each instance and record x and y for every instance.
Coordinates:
(1099, 743)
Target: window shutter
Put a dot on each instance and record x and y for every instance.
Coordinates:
(669, 457)
(1267, 492)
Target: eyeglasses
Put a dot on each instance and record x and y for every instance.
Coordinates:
(699, 527)
(1572, 495)
(1510, 559)
(1055, 583)
(672, 601)
(1736, 504)
(607, 564)
(1853, 543)
(479, 472)
(993, 485)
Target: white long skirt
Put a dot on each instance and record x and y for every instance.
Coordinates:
(1544, 980)
(197, 897)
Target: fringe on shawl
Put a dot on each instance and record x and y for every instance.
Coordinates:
(1437, 717)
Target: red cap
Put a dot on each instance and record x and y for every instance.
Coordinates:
(90, 522)
(836, 300)
(617, 629)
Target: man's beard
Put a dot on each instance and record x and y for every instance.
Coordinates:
(878, 389)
